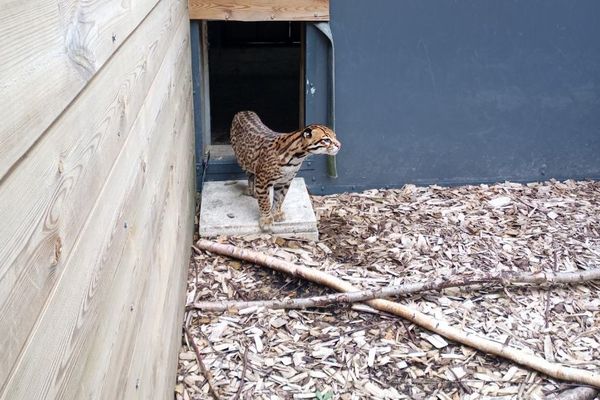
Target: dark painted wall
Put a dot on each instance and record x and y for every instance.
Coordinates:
(459, 92)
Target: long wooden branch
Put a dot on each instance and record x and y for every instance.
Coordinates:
(398, 290)
(440, 327)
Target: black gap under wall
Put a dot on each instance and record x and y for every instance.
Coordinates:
(254, 66)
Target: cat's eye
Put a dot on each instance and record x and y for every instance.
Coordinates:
(327, 141)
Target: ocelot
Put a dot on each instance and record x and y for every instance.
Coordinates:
(272, 159)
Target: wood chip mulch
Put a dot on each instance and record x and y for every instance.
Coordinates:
(414, 234)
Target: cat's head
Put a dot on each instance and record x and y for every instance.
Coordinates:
(319, 139)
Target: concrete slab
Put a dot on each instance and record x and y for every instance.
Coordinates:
(226, 210)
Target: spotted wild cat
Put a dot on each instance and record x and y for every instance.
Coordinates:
(272, 159)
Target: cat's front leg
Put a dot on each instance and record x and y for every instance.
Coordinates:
(279, 192)
(262, 192)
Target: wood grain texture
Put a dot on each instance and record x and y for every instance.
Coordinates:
(134, 291)
(50, 49)
(51, 194)
(260, 10)
(108, 366)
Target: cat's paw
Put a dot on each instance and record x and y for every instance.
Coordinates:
(266, 223)
(249, 192)
(279, 216)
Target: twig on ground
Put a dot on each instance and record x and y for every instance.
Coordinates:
(410, 288)
(409, 333)
(549, 291)
(440, 327)
(197, 250)
(239, 391)
(465, 389)
(197, 285)
(205, 371)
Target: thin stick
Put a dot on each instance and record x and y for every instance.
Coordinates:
(465, 389)
(239, 391)
(197, 250)
(203, 368)
(409, 333)
(549, 291)
(196, 268)
(440, 327)
(410, 288)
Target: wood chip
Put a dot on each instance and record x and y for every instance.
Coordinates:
(436, 340)
(500, 201)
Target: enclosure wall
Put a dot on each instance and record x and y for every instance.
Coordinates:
(446, 92)
(458, 92)
(96, 196)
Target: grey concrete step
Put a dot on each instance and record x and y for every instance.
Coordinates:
(226, 210)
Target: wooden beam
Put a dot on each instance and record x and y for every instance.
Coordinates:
(260, 10)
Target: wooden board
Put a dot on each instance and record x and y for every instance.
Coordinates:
(260, 10)
(170, 217)
(161, 335)
(135, 294)
(131, 232)
(52, 192)
(50, 49)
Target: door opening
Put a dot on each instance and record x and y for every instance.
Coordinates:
(255, 66)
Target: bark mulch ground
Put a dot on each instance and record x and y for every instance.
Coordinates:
(414, 234)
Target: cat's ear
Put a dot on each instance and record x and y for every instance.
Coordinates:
(307, 133)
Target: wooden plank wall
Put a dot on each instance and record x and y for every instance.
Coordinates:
(96, 196)
(260, 10)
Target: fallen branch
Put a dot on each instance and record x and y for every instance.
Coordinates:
(205, 371)
(409, 288)
(442, 328)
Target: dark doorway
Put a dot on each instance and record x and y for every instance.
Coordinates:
(254, 66)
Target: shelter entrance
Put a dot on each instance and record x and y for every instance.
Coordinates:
(254, 66)
(251, 55)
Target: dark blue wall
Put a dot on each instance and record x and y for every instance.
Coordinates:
(457, 92)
